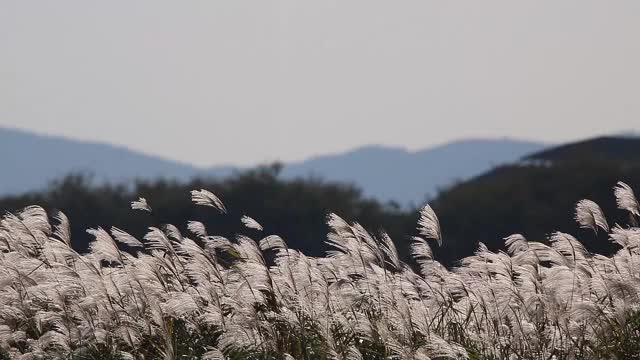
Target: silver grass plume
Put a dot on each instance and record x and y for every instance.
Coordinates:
(626, 199)
(104, 247)
(429, 225)
(62, 230)
(157, 240)
(125, 238)
(178, 304)
(173, 232)
(250, 223)
(272, 242)
(389, 249)
(35, 218)
(568, 246)
(421, 253)
(590, 216)
(140, 204)
(627, 238)
(207, 198)
(516, 243)
(197, 228)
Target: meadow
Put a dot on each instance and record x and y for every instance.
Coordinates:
(197, 295)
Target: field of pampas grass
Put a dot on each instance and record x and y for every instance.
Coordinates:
(201, 296)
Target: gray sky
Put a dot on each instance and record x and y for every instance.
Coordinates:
(244, 82)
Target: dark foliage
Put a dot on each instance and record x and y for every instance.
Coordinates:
(531, 200)
(293, 209)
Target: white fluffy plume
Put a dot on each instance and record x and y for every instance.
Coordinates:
(429, 225)
(516, 243)
(63, 229)
(140, 204)
(197, 228)
(104, 247)
(125, 238)
(590, 216)
(250, 223)
(207, 198)
(626, 199)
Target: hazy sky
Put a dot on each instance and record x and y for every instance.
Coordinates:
(243, 82)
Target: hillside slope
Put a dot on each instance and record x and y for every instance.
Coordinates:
(537, 198)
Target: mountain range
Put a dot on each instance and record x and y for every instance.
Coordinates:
(30, 161)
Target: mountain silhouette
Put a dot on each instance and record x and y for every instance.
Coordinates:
(31, 161)
(537, 196)
(395, 174)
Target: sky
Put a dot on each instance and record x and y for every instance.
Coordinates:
(245, 82)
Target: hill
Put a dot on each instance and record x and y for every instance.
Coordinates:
(31, 161)
(537, 196)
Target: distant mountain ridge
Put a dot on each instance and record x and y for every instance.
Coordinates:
(30, 161)
(389, 173)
